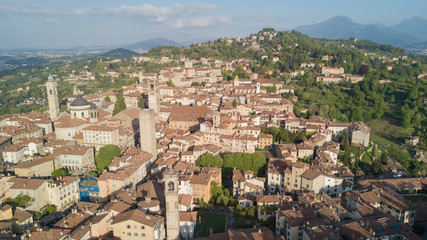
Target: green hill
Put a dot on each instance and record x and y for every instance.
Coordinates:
(120, 53)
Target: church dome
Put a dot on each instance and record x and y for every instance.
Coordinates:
(79, 101)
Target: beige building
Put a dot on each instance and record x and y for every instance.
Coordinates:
(125, 171)
(76, 157)
(359, 134)
(135, 224)
(100, 135)
(64, 192)
(327, 71)
(285, 176)
(37, 189)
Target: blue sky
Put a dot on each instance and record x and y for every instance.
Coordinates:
(69, 23)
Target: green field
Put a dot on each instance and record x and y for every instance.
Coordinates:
(388, 131)
(216, 221)
(416, 198)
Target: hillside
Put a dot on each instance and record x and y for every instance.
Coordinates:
(220, 49)
(150, 43)
(119, 53)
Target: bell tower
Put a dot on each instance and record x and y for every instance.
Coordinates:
(172, 207)
(154, 96)
(52, 97)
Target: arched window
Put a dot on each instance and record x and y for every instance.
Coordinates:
(152, 86)
(83, 114)
(50, 91)
(91, 114)
(171, 186)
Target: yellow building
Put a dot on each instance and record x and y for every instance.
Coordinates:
(6, 212)
(265, 140)
(40, 167)
(201, 185)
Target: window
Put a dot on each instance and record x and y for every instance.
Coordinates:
(128, 226)
(142, 227)
(135, 234)
(129, 234)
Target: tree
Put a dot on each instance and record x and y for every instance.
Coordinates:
(105, 155)
(222, 200)
(406, 122)
(22, 200)
(374, 151)
(248, 161)
(141, 103)
(363, 69)
(170, 83)
(202, 204)
(383, 158)
(210, 160)
(413, 94)
(376, 167)
(107, 99)
(59, 173)
(234, 103)
(307, 80)
(120, 103)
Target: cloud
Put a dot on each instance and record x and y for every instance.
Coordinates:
(201, 22)
(152, 13)
(51, 21)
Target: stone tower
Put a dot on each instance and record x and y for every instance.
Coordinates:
(140, 77)
(93, 114)
(216, 119)
(147, 131)
(52, 97)
(154, 96)
(172, 208)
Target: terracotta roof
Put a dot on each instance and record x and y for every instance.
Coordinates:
(188, 216)
(200, 179)
(50, 234)
(185, 199)
(26, 183)
(117, 206)
(138, 216)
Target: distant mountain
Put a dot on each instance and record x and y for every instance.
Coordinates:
(119, 53)
(343, 27)
(150, 43)
(415, 26)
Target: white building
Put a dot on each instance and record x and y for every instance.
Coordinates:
(187, 224)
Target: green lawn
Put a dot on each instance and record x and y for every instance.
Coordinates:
(216, 221)
(388, 131)
(416, 198)
(382, 142)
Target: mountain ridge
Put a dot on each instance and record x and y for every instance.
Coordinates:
(152, 42)
(409, 32)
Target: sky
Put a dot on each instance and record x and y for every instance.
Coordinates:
(91, 23)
